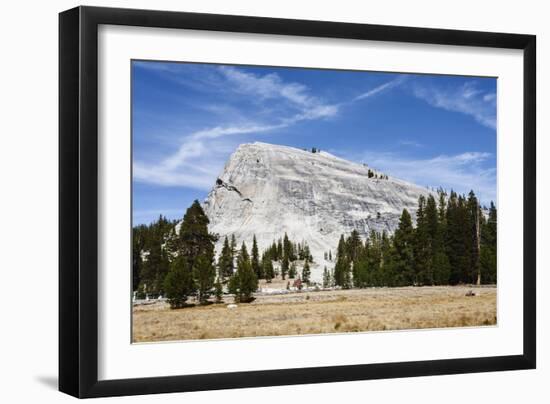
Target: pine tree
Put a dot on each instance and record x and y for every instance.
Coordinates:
(422, 256)
(244, 283)
(204, 275)
(330, 255)
(193, 266)
(162, 271)
(342, 268)
(372, 260)
(361, 275)
(432, 224)
(292, 272)
(194, 239)
(404, 258)
(179, 284)
(288, 251)
(284, 267)
(233, 248)
(464, 251)
(488, 252)
(434, 245)
(326, 278)
(388, 273)
(442, 207)
(441, 267)
(474, 211)
(267, 266)
(455, 238)
(243, 253)
(218, 291)
(225, 262)
(256, 267)
(307, 253)
(306, 272)
(155, 265)
(353, 245)
(138, 243)
(280, 249)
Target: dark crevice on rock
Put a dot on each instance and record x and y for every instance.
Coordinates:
(221, 184)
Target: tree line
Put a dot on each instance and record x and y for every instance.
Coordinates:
(453, 243)
(180, 263)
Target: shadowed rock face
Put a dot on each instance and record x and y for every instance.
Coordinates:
(268, 190)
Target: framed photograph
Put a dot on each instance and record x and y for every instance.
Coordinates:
(251, 202)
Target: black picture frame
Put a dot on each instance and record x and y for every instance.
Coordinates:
(78, 201)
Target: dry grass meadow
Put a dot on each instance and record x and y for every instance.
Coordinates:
(331, 311)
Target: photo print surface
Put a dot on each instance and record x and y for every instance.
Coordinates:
(273, 201)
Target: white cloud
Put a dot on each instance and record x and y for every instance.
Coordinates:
(461, 172)
(271, 86)
(466, 99)
(381, 88)
(197, 161)
(490, 97)
(200, 156)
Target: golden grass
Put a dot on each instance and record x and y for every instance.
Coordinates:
(320, 312)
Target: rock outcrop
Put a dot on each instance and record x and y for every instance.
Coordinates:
(268, 190)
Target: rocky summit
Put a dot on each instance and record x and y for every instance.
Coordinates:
(267, 190)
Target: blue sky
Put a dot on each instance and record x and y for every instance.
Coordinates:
(188, 118)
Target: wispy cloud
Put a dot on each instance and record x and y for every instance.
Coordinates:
(279, 104)
(197, 160)
(271, 86)
(381, 88)
(466, 99)
(462, 172)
